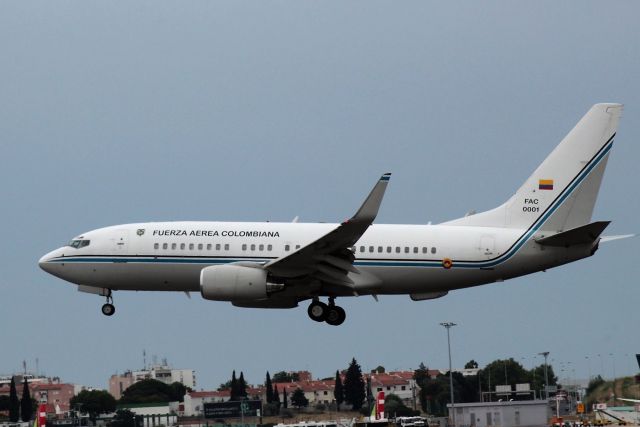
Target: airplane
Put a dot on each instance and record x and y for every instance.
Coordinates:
(545, 224)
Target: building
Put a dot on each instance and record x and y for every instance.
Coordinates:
(49, 391)
(526, 413)
(119, 383)
(194, 401)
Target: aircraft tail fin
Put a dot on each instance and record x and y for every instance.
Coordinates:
(561, 193)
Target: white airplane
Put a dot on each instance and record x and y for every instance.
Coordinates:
(546, 223)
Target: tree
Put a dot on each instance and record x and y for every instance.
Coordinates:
(471, 364)
(178, 390)
(394, 406)
(338, 391)
(14, 403)
(234, 387)
(354, 392)
(379, 370)
(421, 376)
(25, 404)
(269, 387)
(5, 403)
(298, 399)
(94, 402)
(124, 418)
(242, 387)
(148, 391)
(285, 377)
(285, 404)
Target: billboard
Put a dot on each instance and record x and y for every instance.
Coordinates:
(233, 409)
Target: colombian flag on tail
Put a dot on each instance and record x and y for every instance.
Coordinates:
(545, 184)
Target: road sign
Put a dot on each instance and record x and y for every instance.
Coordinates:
(580, 408)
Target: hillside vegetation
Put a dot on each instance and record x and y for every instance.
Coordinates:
(607, 391)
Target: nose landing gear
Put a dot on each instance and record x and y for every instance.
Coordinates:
(108, 309)
(332, 314)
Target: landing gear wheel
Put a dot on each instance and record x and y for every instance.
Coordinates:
(335, 315)
(318, 311)
(108, 309)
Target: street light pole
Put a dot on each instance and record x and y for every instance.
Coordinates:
(546, 378)
(448, 325)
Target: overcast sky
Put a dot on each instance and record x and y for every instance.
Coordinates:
(117, 112)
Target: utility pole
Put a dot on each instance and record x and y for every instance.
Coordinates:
(448, 325)
(546, 378)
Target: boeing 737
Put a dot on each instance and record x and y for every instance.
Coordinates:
(546, 223)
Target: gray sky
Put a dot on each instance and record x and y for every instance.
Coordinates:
(116, 112)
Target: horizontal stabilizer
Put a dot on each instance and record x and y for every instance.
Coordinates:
(576, 236)
(605, 239)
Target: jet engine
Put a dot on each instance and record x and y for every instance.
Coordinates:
(233, 282)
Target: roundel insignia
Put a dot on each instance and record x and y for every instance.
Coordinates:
(447, 263)
(140, 231)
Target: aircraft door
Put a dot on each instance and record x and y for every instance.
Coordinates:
(119, 241)
(487, 245)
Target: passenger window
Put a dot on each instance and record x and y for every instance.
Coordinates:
(361, 248)
(244, 246)
(415, 249)
(208, 246)
(269, 247)
(286, 248)
(226, 247)
(217, 246)
(424, 249)
(200, 246)
(297, 247)
(182, 246)
(156, 245)
(261, 247)
(371, 249)
(190, 246)
(406, 249)
(433, 250)
(397, 249)
(253, 247)
(173, 246)
(380, 249)
(165, 246)
(388, 249)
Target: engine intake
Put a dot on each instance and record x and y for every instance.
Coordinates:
(233, 283)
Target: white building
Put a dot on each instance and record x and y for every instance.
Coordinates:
(119, 383)
(195, 400)
(525, 413)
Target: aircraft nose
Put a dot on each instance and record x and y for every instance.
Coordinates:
(45, 262)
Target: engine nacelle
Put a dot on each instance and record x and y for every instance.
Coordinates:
(232, 283)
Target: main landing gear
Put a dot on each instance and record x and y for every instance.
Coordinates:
(108, 309)
(332, 314)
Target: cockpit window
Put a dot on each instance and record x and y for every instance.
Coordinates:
(79, 243)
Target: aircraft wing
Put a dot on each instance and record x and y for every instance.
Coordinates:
(329, 259)
(628, 400)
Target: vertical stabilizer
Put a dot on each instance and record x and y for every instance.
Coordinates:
(562, 191)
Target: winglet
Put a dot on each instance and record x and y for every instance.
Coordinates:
(369, 209)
